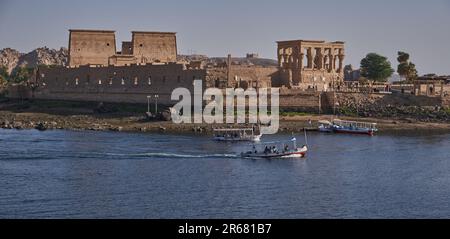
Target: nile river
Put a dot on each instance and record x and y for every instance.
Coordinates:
(67, 174)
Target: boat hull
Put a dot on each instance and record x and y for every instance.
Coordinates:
(356, 131)
(325, 129)
(299, 153)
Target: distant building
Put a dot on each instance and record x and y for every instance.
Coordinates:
(350, 74)
(431, 85)
(252, 55)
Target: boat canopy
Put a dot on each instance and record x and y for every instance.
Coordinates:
(325, 122)
(354, 123)
(281, 141)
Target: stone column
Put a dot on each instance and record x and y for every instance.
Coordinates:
(341, 61)
(297, 57)
(320, 66)
(279, 56)
(301, 60)
(325, 61)
(310, 57)
(300, 57)
(330, 61)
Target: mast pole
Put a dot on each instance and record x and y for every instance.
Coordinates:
(306, 139)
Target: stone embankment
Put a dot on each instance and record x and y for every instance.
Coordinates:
(425, 109)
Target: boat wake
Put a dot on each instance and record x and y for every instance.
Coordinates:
(175, 155)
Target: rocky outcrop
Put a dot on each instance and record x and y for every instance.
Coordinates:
(45, 56)
(12, 59)
(9, 58)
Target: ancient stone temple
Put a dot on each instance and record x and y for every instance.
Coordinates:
(154, 46)
(145, 67)
(91, 47)
(98, 48)
(307, 64)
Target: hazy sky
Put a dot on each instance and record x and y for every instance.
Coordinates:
(218, 27)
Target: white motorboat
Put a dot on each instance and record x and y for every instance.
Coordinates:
(278, 149)
(325, 126)
(240, 134)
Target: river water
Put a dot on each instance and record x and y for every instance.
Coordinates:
(68, 174)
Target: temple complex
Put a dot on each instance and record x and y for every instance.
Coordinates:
(147, 66)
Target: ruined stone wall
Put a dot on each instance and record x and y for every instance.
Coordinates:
(298, 100)
(446, 96)
(243, 76)
(122, 60)
(17, 91)
(253, 76)
(128, 84)
(320, 80)
(446, 90)
(154, 46)
(91, 47)
(446, 101)
(216, 77)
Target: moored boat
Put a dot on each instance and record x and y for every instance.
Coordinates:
(233, 135)
(354, 127)
(348, 127)
(325, 126)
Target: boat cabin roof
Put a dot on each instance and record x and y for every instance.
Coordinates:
(280, 142)
(353, 122)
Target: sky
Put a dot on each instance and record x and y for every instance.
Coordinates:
(219, 27)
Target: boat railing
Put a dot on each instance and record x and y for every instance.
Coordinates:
(355, 124)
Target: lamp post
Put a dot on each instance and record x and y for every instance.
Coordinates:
(148, 103)
(156, 104)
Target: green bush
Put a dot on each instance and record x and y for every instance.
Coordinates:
(21, 74)
(347, 111)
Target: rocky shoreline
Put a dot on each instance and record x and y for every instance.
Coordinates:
(48, 115)
(45, 121)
